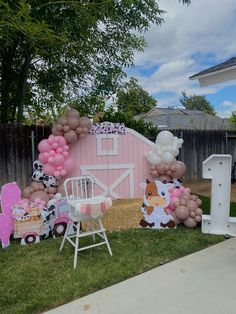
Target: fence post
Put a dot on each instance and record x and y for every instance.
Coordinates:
(226, 142)
(33, 145)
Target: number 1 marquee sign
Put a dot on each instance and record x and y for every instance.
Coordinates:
(218, 169)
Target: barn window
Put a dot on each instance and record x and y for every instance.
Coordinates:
(107, 144)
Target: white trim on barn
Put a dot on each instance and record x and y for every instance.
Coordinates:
(129, 172)
(141, 137)
(100, 151)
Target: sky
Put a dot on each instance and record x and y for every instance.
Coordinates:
(192, 38)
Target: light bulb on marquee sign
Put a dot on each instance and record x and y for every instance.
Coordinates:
(218, 169)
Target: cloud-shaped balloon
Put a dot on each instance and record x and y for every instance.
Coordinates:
(166, 148)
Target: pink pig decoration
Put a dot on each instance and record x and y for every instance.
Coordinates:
(10, 195)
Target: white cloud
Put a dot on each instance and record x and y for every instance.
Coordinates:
(225, 108)
(191, 39)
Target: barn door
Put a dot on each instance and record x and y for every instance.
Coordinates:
(114, 176)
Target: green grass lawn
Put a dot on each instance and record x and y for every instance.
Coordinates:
(38, 277)
(206, 206)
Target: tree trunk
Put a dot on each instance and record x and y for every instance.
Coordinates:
(20, 99)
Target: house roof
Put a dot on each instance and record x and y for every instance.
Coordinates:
(170, 118)
(219, 67)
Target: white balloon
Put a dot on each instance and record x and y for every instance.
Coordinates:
(164, 137)
(168, 157)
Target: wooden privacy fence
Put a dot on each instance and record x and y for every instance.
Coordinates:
(18, 150)
(199, 145)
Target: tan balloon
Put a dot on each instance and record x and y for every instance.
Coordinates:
(73, 123)
(180, 170)
(70, 136)
(55, 131)
(37, 186)
(52, 190)
(79, 130)
(190, 222)
(182, 212)
(26, 192)
(73, 113)
(62, 121)
(84, 122)
(66, 128)
(39, 194)
(60, 189)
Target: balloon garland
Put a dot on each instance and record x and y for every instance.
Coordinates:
(54, 161)
(163, 166)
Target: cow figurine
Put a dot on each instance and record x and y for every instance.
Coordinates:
(156, 199)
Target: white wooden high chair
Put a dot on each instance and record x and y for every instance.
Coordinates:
(84, 207)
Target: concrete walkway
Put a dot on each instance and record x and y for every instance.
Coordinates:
(201, 283)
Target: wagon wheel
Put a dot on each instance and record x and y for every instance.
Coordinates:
(59, 229)
(31, 238)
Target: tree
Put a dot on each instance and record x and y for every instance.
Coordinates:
(134, 99)
(52, 52)
(195, 102)
(232, 118)
(148, 129)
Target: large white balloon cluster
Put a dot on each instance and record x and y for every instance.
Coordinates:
(166, 148)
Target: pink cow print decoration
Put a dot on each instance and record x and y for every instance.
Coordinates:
(156, 199)
(10, 195)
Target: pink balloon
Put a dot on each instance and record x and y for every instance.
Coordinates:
(52, 153)
(44, 146)
(65, 154)
(59, 150)
(42, 158)
(46, 155)
(61, 141)
(63, 172)
(49, 169)
(55, 145)
(69, 164)
(59, 168)
(51, 160)
(51, 139)
(56, 174)
(58, 160)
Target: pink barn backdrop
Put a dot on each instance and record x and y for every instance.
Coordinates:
(115, 160)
